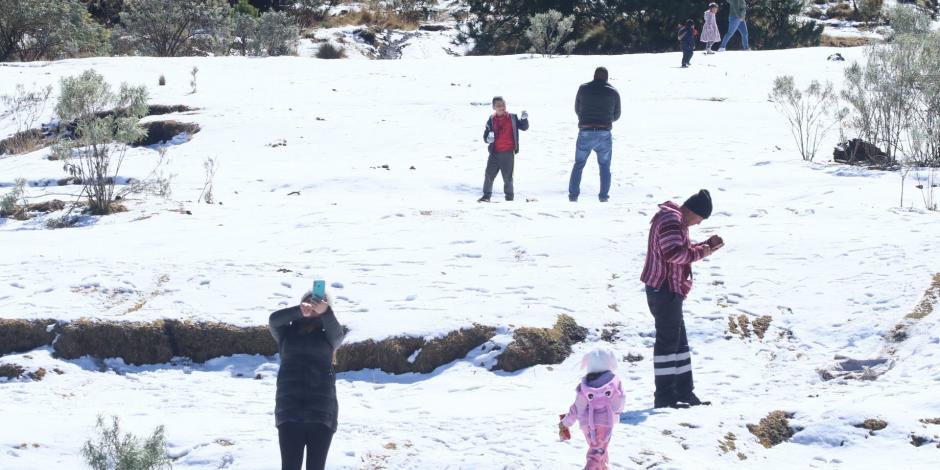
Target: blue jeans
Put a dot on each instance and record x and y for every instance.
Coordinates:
(736, 24)
(592, 141)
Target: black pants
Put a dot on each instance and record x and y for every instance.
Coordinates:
(672, 363)
(686, 57)
(294, 437)
(499, 162)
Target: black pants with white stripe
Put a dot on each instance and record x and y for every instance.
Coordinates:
(672, 362)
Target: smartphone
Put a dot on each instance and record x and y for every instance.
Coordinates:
(319, 289)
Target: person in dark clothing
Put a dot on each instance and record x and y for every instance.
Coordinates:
(686, 36)
(502, 135)
(667, 275)
(306, 407)
(597, 106)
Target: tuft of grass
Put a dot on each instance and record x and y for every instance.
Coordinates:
(773, 429)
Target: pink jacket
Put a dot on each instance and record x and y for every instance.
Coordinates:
(599, 402)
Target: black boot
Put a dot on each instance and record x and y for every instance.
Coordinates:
(658, 403)
(693, 400)
(484, 199)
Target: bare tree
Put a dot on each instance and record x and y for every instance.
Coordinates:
(812, 113)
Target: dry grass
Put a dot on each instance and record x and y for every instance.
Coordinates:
(378, 17)
(11, 371)
(202, 341)
(773, 429)
(761, 325)
(872, 425)
(844, 41)
(930, 299)
(24, 335)
(532, 346)
(23, 142)
(136, 342)
(391, 355)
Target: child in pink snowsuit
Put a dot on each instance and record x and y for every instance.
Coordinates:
(597, 406)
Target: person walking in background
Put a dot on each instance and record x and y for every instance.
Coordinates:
(687, 42)
(502, 135)
(667, 275)
(710, 33)
(306, 407)
(737, 22)
(598, 107)
(599, 400)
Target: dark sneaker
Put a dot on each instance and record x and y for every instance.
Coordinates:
(693, 400)
(572, 199)
(604, 199)
(484, 199)
(669, 404)
(510, 198)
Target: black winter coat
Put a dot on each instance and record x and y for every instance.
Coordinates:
(597, 104)
(306, 381)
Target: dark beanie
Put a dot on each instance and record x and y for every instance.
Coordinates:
(700, 203)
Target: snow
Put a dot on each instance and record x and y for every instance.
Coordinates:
(822, 248)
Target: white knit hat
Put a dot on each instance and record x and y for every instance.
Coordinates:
(599, 360)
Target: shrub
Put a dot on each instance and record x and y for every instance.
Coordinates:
(244, 7)
(548, 31)
(811, 113)
(172, 28)
(10, 201)
(100, 138)
(869, 10)
(112, 450)
(909, 19)
(48, 29)
(329, 51)
(277, 34)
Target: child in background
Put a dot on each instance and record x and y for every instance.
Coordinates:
(686, 37)
(710, 33)
(597, 406)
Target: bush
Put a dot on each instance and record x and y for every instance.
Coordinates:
(811, 113)
(909, 19)
(895, 98)
(547, 31)
(329, 51)
(14, 198)
(172, 28)
(245, 7)
(277, 34)
(48, 30)
(100, 138)
(869, 10)
(110, 450)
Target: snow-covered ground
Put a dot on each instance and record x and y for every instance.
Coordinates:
(822, 248)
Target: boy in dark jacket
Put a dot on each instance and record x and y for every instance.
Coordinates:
(686, 36)
(502, 135)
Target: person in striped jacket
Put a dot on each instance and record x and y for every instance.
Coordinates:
(668, 278)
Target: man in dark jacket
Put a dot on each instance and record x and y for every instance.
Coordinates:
(597, 106)
(502, 135)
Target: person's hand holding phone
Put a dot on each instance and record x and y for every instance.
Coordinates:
(314, 308)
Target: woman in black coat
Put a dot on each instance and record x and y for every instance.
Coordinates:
(306, 407)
